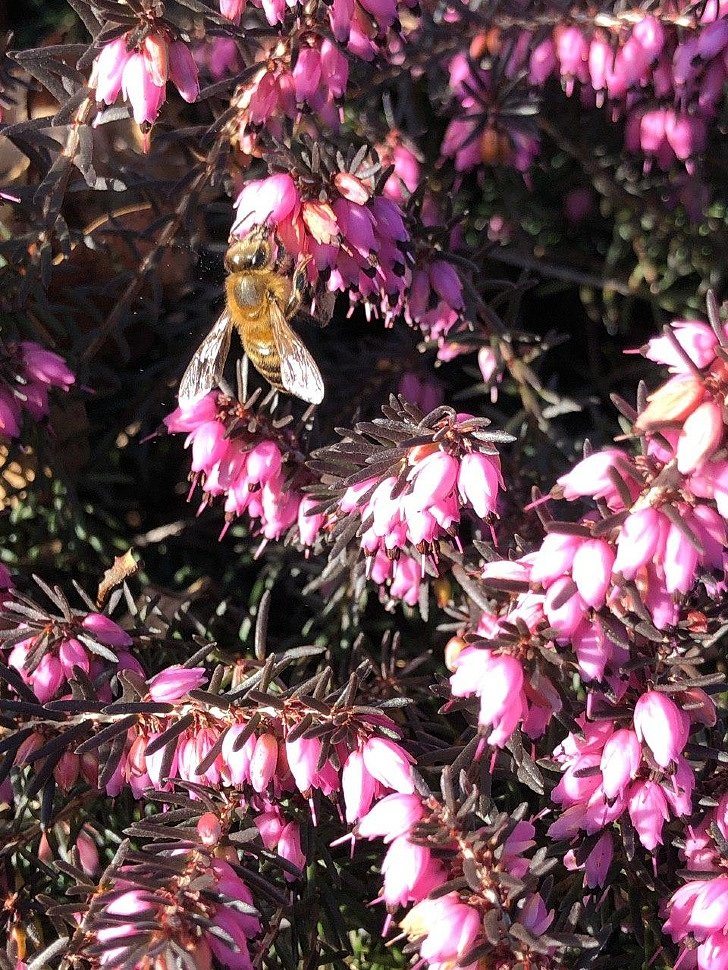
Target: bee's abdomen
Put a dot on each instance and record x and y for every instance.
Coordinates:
(257, 340)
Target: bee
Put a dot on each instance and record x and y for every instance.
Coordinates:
(261, 299)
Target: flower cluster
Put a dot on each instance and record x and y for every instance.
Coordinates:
(204, 912)
(357, 239)
(27, 373)
(428, 851)
(697, 913)
(658, 529)
(138, 65)
(639, 770)
(243, 459)
(408, 478)
(666, 81)
(316, 82)
(47, 649)
(362, 26)
(267, 752)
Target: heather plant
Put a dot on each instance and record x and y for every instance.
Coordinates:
(430, 673)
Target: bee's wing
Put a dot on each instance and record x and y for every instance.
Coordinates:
(205, 369)
(299, 373)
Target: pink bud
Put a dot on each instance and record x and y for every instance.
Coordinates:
(621, 759)
(662, 726)
(389, 764)
(183, 71)
(209, 828)
(289, 848)
(648, 812)
(106, 631)
(88, 854)
(109, 66)
(173, 683)
(701, 437)
(72, 654)
(358, 787)
(598, 861)
(66, 770)
(264, 761)
(270, 826)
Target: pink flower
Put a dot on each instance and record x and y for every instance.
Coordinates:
(592, 476)
(410, 873)
(108, 69)
(391, 817)
(174, 683)
(303, 756)
(498, 681)
(478, 481)
(592, 571)
(701, 437)
(389, 764)
(263, 762)
(358, 786)
(620, 762)
(45, 367)
(662, 726)
(648, 812)
(639, 538)
(446, 927)
(289, 848)
(696, 339)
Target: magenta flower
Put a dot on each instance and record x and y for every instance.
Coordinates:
(498, 680)
(620, 762)
(174, 683)
(662, 726)
(389, 764)
(140, 72)
(648, 812)
(391, 817)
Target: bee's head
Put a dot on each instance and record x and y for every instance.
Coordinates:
(253, 251)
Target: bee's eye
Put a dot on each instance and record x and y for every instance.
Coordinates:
(259, 258)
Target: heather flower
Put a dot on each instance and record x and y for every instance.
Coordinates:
(250, 472)
(661, 725)
(356, 238)
(445, 928)
(27, 373)
(498, 681)
(140, 73)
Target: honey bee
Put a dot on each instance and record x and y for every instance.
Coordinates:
(261, 300)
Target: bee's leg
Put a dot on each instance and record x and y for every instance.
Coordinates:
(283, 262)
(298, 286)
